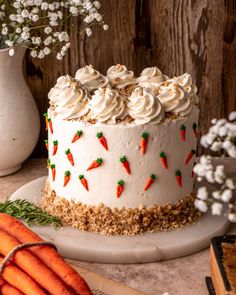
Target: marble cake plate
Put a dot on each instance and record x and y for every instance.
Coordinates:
(91, 247)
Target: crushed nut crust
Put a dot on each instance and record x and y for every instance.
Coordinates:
(124, 221)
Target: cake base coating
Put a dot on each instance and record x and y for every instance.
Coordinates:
(124, 221)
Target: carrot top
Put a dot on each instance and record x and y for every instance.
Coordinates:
(99, 160)
(45, 115)
(144, 135)
(55, 142)
(46, 141)
(79, 132)
(120, 182)
(81, 176)
(53, 166)
(123, 159)
(67, 152)
(178, 173)
(162, 155)
(67, 173)
(194, 125)
(182, 127)
(153, 176)
(99, 135)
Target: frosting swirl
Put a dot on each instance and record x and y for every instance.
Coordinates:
(68, 98)
(186, 82)
(120, 77)
(174, 99)
(107, 106)
(151, 78)
(91, 78)
(144, 107)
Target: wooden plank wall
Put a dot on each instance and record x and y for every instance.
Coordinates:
(195, 36)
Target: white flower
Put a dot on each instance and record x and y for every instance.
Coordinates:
(4, 31)
(219, 174)
(232, 116)
(202, 193)
(226, 195)
(216, 146)
(25, 13)
(88, 32)
(59, 56)
(47, 51)
(25, 36)
(105, 27)
(232, 152)
(11, 52)
(232, 217)
(216, 195)
(34, 53)
(230, 184)
(89, 19)
(41, 54)
(210, 176)
(201, 205)
(216, 208)
(47, 30)
(97, 4)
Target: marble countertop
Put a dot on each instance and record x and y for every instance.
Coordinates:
(184, 276)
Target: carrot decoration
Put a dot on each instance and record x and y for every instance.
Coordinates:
(53, 170)
(178, 177)
(9, 290)
(66, 178)
(125, 164)
(46, 120)
(47, 254)
(183, 132)
(46, 143)
(16, 278)
(189, 157)
(33, 267)
(195, 129)
(70, 157)
(164, 160)
(150, 181)
(144, 142)
(77, 136)
(55, 147)
(95, 164)
(119, 188)
(84, 182)
(48, 163)
(102, 140)
(50, 125)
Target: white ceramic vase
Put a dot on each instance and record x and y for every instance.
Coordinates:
(19, 117)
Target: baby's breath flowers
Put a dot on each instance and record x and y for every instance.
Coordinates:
(39, 25)
(220, 139)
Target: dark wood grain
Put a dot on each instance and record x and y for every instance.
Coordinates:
(178, 36)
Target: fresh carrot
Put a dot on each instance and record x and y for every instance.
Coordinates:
(125, 164)
(66, 178)
(30, 264)
(102, 140)
(150, 181)
(20, 280)
(70, 156)
(47, 254)
(77, 136)
(164, 160)
(55, 147)
(144, 142)
(119, 188)
(9, 290)
(48, 163)
(95, 164)
(84, 182)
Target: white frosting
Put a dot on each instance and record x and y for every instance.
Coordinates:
(91, 78)
(151, 77)
(120, 77)
(186, 82)
(174, 98)
(123, 140)
(68, 98)
(144, 107)
(107, 105)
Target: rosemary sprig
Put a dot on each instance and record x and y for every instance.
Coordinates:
(29, 213)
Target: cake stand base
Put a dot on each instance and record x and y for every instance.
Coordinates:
(75, 244)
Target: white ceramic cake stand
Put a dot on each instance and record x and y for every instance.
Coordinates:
(75, 244)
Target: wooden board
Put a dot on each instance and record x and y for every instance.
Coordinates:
(178, 36)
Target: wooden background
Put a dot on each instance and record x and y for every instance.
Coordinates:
(195, 36)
